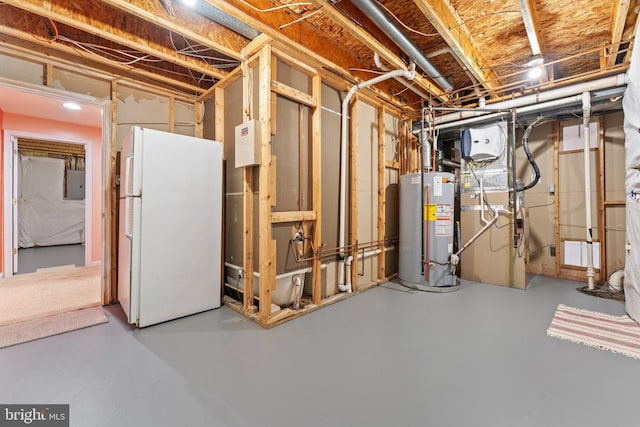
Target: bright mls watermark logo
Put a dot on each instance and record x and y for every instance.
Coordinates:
(34, 415)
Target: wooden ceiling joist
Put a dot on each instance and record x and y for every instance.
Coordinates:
(49, 49)
(136, 34)
(376, 46)
(618, 20)
(448, 23)
(532, 25)
(191, 25)
(300, 40)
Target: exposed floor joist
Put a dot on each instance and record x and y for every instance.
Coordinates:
(618, 21)
(50, 49)
(191, 26)
(376, 46)
(453, 30)
(126, 32)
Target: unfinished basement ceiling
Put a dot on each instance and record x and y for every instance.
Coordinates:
(480, 47)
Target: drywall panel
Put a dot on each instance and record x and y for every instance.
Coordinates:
(572, 199)
(330, 135)
(391, 132)
(292, 77)
(234, 206)
(392, 224)
(614, 156)
(138, 108)
(292, 154)
(21, 70)
(367, 185)
(616, 237)
(184, 118)
(79, 83)
(209, 121)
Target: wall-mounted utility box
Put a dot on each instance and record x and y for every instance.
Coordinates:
(248, 143)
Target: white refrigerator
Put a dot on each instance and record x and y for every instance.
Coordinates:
(169, 261)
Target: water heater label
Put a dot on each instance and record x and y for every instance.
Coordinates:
(437, 186)
(444, 222)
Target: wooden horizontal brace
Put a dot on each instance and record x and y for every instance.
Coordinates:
(298, 65)
(293, 216)
(615, 203)
(392, 165)
(293, 94)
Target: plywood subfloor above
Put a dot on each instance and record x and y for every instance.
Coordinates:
(46, 293)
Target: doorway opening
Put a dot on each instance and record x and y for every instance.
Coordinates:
(51, 204)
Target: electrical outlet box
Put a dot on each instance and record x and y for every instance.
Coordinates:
(248, 143)
(552, 189)
(552, 250)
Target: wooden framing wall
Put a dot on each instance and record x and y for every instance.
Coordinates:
(260, 60)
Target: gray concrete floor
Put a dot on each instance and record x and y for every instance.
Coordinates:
(30, 259)
(387, 357)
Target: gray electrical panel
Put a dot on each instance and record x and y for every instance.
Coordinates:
(75, 184)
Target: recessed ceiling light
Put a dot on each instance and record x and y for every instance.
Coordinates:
(534, 61)
(71, 105)
(535, 73)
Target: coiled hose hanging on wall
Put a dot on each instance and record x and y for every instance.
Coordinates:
(525, 145)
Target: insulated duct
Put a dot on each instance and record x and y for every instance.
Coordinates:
(373, 12)
(224, 19)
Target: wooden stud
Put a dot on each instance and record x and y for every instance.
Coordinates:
(302, 159)
(255, 46)
(48, 74)
(381, 193)
(247, 199)
(353, 186)
(274, 98)
(293, 94)
(602, 224)
(198, 112)
(266, 244)
(316, 180)
(298, 65)
(172, 114)
(392, 165)
(110, 262)
(556, 193)
(219, 116)
(292, 216)
(618, 20)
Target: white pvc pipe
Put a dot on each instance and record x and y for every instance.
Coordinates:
(586, 114)
(412, 88)
(549, 95)
(347, 267)
(407, 74)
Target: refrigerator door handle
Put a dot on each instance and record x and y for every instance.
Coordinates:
(128, 229)
(128, 189)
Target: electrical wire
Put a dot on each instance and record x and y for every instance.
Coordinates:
(51, 39)
(525, 145)
(271, 9)
(405, 25)
(302, 18)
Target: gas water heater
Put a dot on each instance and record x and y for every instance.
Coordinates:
(427, 231)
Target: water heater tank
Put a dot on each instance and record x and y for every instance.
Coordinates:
(427, 231)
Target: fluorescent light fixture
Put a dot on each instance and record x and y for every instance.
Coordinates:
(71, 105)
(189, 3)
(535, 73)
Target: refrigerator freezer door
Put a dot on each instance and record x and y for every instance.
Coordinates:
(178, 246)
